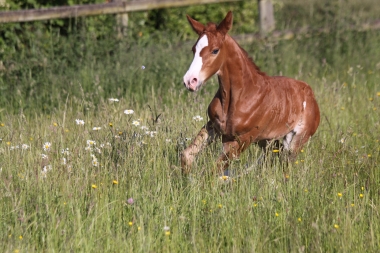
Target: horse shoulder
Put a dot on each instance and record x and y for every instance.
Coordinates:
(215, 112)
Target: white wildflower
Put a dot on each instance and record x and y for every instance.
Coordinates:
(166, 228)
(96, 128)
(151, 133)
(197, 118)
(65, 151)
(129, 111)
(79, 122)
(91, 143)
(95, 162)
(144, 128)
(24, 146)
(43, 156)
(45, 170)
(136, 123)
(47, 146)
(113, 100)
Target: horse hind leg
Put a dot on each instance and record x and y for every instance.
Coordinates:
(231, 151)
(293, 143)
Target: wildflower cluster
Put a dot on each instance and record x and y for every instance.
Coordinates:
(197, 118)
(79, 122)
(45, 170)
(23, 147)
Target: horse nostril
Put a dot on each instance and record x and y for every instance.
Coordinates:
(194, 80)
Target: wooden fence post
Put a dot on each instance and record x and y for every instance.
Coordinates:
(267, 22)
(121, 22)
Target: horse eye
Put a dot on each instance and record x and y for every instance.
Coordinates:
(215, 51)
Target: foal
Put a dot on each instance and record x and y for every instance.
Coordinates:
(249, 106)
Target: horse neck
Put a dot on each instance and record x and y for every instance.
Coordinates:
(238, 74)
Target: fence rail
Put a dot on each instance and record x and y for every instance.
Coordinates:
(96, 9)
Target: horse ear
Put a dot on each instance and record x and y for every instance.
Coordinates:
(226, 23)
(197, 26)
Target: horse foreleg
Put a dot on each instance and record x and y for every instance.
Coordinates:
(205, 136)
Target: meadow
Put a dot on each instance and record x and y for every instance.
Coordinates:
(91, 132)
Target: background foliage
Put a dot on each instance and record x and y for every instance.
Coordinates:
(76, 196)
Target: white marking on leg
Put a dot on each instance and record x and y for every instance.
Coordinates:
(288, 139)
(196, 65)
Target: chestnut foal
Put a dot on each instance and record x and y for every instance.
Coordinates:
(249, 106)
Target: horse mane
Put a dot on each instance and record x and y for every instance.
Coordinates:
(250, 61)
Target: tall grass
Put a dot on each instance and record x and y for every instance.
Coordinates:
(125, 193)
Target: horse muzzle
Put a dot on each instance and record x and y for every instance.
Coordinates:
(192, 84)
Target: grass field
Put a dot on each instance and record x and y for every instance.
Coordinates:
(79, 173)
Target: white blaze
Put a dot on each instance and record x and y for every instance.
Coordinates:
(197, 63)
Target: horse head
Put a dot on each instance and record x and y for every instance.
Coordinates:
(209, 52)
